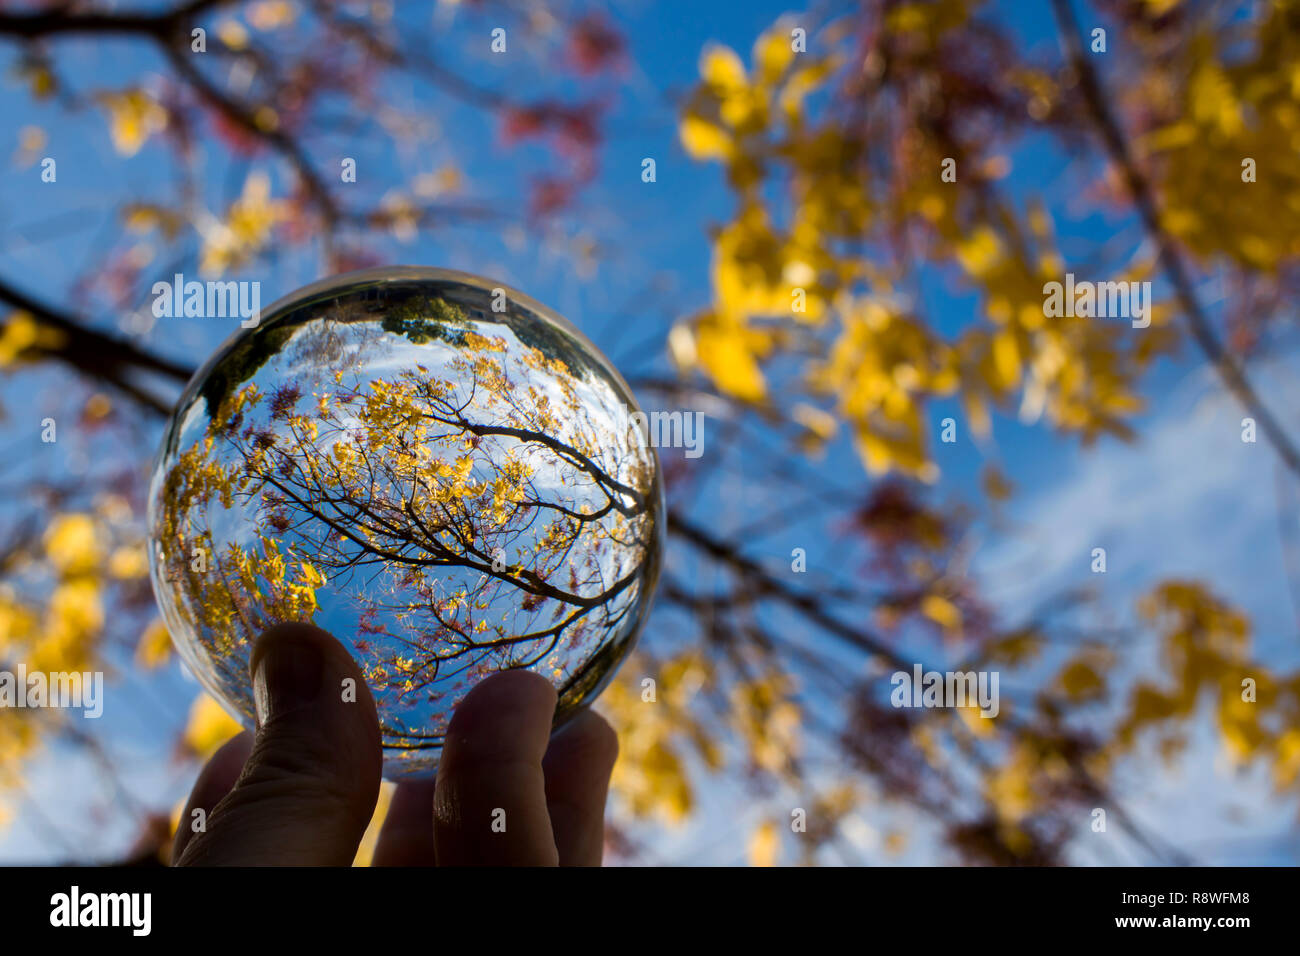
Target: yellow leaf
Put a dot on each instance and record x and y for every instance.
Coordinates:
(977, 412)
(1213, 101)
(820, 423)
(764, 845)
(71, 545)
(979, 252)
(133, 116)
(725, 355)
(208, 727)
(311, 576)
(128, 562)
(1006, 358)
(42, 81)
(942, 611)
(143, 217)
(1080, 681)
(803, 81)
(155, 646)
(271, 14)
(22, 334)
(444, 180)
(1010, 787)
(704, 140)
(247, 228)
(232, 34)
(1287, 768)
(253, 214)
(722, 68)
(98, 407)
(1173, 136)
(773, 51)
(973, 717)
(908, 18)
(31, 140)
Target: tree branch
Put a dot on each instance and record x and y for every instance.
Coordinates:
(97, 354)
(59, 22)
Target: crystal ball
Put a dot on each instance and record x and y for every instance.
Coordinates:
(444, 474)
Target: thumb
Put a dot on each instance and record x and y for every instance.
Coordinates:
(309, 787)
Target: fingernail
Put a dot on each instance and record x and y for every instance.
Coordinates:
(288, 676)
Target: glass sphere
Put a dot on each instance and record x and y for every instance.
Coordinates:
(444, 474)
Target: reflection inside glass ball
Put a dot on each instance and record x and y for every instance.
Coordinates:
(440, 472)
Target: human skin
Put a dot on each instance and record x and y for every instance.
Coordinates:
(301, 789)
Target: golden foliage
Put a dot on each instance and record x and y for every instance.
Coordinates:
(208, 727)
(133, 116)
(1230, 108)
(796, 283)
(229, 244)
(22, 336)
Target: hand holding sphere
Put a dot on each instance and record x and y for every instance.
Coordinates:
(437, 471)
